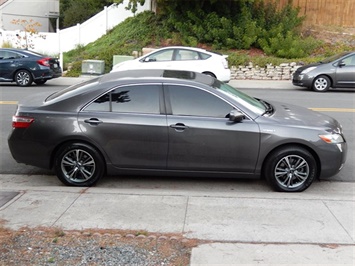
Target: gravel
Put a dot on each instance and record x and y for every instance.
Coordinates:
(52, 246)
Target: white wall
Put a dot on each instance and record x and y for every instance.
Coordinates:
(37, 10)
(82, 34)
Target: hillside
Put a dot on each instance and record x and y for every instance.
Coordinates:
(147, 30)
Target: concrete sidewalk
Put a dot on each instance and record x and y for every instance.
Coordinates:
(246, 222)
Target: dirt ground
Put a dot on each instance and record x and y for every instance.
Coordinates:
(53, 246)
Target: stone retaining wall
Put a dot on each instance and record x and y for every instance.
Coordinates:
(282, 72)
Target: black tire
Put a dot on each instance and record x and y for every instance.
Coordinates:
(79, 164)
(40, 82)
(23, 78)
(321, 84)
(290, 169)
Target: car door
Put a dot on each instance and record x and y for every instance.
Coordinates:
(129, 124)
(345, 73)
(8, 64)
(202, 138)
(185, 59)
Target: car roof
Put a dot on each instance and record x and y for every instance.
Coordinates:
(158, 74)
(22, 51)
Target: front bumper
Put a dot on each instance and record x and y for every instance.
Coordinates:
(302, 80)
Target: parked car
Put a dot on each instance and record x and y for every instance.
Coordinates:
(181, 58)
(24, 67)
(156, 122)
(337, 72)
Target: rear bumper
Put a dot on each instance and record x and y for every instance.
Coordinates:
(47, 74)
(224, 75)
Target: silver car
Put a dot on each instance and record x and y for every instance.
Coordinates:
(337, 72)
(163, 122)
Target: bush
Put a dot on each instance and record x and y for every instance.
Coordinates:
(288, 46)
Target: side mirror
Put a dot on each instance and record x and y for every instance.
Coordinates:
(236, 116)
(341, 64)
(148, 59)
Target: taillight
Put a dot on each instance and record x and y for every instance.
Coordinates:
(44, 61)
(225, 63)
(21, 121)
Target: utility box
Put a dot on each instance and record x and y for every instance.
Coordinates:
(93, 67)
(121, 58)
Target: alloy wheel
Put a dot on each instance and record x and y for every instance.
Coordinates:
(78, 166)
(291, 171)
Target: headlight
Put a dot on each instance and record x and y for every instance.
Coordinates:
(307, 70)
(334, 138)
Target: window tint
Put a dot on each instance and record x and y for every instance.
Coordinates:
(9, 55)
(186, 55)
(129, 99)
(165, 55)
(195, 102)
(349, 61)
(204, 56)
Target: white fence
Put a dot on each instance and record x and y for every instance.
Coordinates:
(67, 39)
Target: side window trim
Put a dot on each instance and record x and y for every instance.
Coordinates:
(168, 105)
(109, 92)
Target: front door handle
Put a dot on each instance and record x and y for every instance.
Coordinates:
(179, 126)
(93, 121)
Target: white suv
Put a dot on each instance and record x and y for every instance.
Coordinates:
(181, 58)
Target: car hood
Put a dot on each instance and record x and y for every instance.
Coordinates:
(300, 69)
(302, 117)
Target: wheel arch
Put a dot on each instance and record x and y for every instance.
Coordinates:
(327, 75)
(209, 73)
(19, 69)
(72, 141)
(287, 145)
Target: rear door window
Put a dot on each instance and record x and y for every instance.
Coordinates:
(129, 99)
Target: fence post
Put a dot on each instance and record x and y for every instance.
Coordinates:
(78, 26)
(106, 19)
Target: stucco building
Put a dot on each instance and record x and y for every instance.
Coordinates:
(45, 12)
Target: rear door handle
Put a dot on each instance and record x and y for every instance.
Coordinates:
(179, 126)
(93, 121)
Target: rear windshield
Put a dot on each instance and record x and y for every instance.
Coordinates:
(73, 90)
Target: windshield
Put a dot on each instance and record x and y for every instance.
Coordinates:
(334, 57)
(251, 103)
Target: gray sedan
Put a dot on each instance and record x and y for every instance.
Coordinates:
(166, 122)
(337, 72)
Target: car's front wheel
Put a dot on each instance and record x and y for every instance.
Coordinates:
(79, 164)
(290, 169)
(23, 78)
(321, 83)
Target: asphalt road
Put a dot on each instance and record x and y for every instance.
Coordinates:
(338, 104)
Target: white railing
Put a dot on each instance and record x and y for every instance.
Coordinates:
(67, 39)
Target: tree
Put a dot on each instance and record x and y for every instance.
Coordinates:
(30, 31)
(132, 4)
(73, 12)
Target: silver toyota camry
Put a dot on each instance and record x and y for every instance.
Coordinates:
(167, 122)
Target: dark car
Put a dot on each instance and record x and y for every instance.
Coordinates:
(25, 67)
(165, 122)
(337, 72)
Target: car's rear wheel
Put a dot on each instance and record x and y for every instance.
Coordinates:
(23, 78)
(210, 74)
(290, 169)
(321, 83)
(79, 164)
(40, 82)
